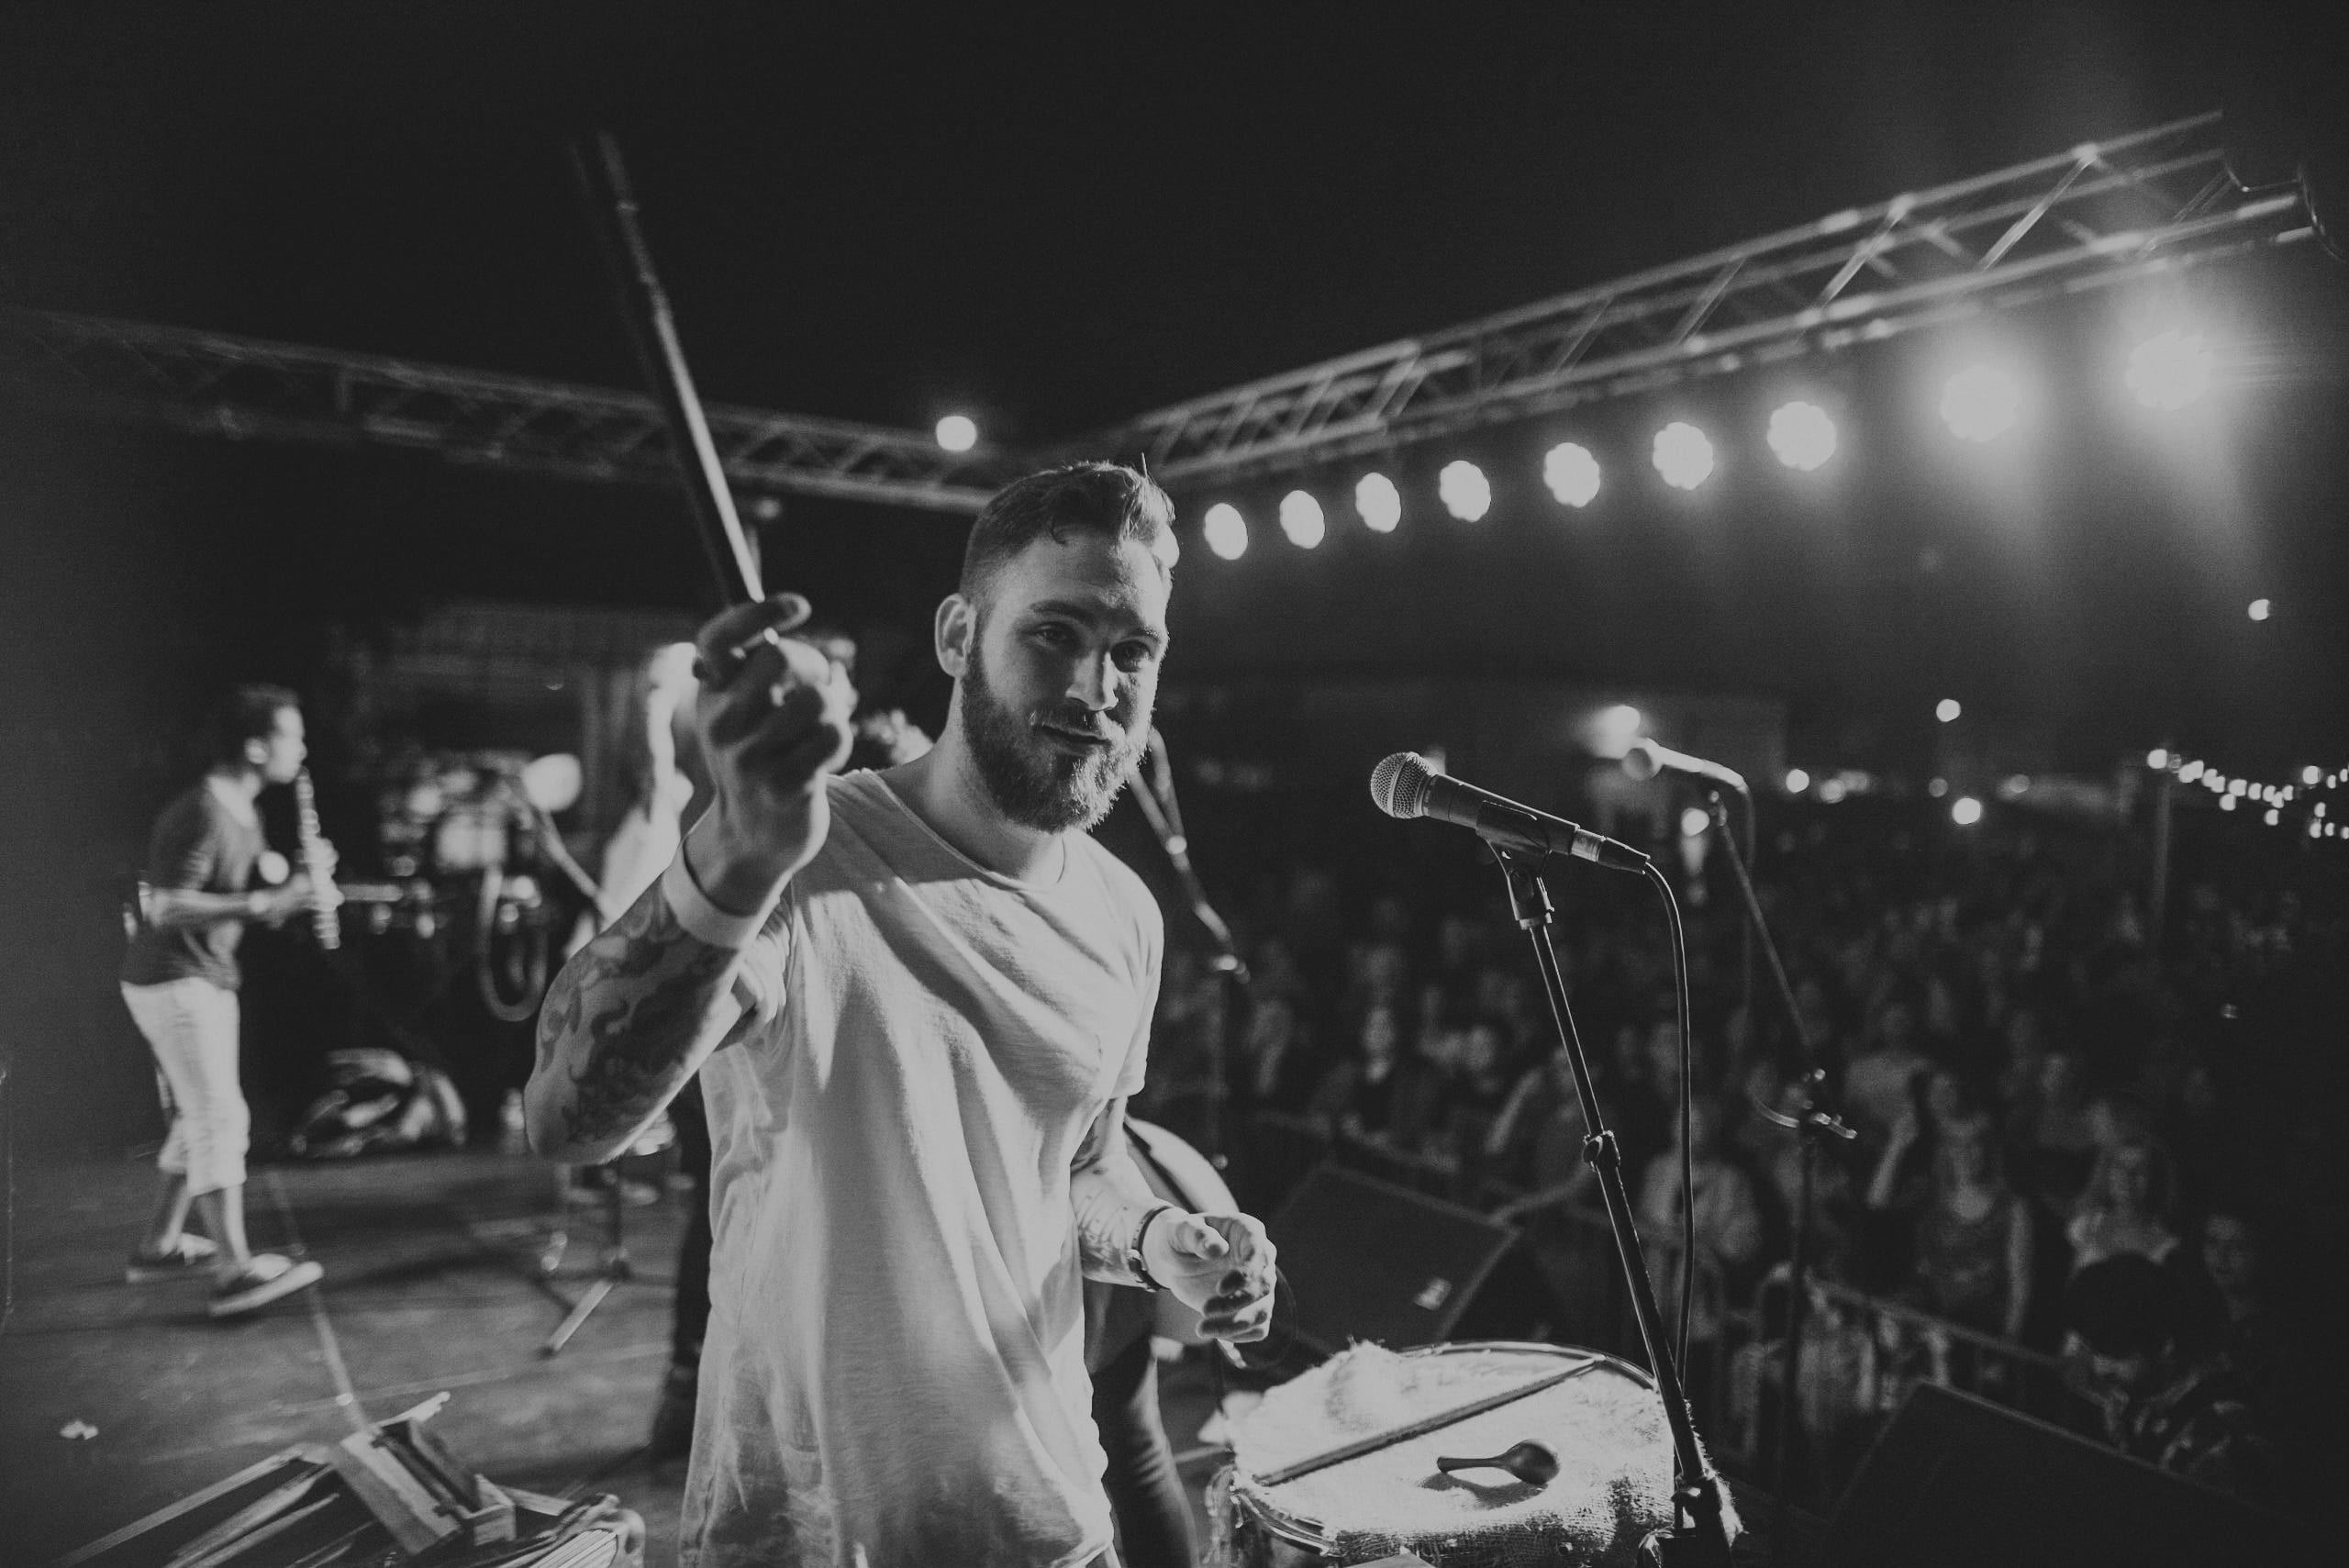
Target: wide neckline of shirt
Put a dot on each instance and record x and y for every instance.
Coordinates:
(989, 873)
(235, 804)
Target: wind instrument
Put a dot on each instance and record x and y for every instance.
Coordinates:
(319, 861)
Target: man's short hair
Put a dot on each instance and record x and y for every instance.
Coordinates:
(1103, 498)
(248, 713)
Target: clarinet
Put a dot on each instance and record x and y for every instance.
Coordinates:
(324, 920)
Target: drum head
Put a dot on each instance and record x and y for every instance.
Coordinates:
(1606, 1424)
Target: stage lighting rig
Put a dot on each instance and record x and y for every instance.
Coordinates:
(1380, 503)
(1683, 455)
(1464, 491)
(1226, 530)
(1802, 435)
(1572, 474)
(1301, 520)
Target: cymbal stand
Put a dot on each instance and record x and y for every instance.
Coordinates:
(1700, 1537)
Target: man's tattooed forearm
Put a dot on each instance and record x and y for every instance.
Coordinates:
(627, 1011)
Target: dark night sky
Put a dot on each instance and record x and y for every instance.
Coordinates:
(1055, 221)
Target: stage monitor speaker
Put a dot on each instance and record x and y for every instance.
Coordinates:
(1368, 1260)
(1958, 1480)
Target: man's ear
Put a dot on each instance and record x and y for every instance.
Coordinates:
(256, 751)
(957, 624)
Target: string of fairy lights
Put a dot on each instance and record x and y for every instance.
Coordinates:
(2309, 803)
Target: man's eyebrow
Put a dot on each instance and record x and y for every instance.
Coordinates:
(1092, 613)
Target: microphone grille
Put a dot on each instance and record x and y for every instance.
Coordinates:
(1642, 762)
(1399, 784)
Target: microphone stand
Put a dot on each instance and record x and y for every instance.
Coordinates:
(1811, 1126)
(1155, 797)
(1698, 1537)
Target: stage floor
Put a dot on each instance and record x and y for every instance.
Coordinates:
(430, 1285)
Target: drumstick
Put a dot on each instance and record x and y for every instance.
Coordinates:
(1425, 1424)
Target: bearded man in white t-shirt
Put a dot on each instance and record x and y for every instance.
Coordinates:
(917, 1000)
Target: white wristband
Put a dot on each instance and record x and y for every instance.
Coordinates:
(703, 920)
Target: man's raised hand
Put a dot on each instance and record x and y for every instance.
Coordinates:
(772, 720)
(1220, 1265)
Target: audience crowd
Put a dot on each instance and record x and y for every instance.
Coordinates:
(2071, 1137)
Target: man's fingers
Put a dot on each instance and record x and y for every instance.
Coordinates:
(727, 639)
(1194, 1238)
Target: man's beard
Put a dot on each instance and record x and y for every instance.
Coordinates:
(1033, 781)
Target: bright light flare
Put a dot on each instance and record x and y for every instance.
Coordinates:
(1694, 821)
(1464, 491)
(1301, 520)
(2312, 775)
(958, 433)
(1947, 710)
(2157, 758)
(1683, 455)
(2260, 610)
(1226, 530)
(1965, 811)
(1572, 474)
(1797, 780)
(2170, 370)
(1610, 731)
(1802, 435)
(1380, 503)
(1981, 402)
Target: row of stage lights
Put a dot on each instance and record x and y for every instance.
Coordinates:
(1979, 403)
(2274, 801)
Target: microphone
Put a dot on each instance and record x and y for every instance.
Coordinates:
(1647, 758)
(1404, 786)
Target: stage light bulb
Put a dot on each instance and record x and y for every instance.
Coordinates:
(1802, 435)
(1947, 710)
(1226, 530)
(1797, 780)
(1694, 821)
(1301, 520)
(1832, 791)
(2310, 774)
(1683, 455)
(2226, 803)
(2260, 610)
(2271, 819)
(1980, 403)
(957, 433)
(1572, 474)
(1965, 811)
(1380, 503)
(2157, 758)
(2171, 370)
(1466, 494)
(1937, 788)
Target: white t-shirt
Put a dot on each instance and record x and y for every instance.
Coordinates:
(894, 1369)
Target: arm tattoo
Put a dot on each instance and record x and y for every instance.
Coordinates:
(624, 1018)
(1109, 1198)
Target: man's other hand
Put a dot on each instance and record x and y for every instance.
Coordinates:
(1220, 1265)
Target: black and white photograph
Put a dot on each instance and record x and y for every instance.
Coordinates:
(1196, 785)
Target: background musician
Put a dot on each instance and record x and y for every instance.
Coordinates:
(179, 980)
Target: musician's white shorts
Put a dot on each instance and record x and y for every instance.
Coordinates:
(191, 1026)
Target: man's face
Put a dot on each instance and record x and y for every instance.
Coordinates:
(280, 753)
(1060, 675)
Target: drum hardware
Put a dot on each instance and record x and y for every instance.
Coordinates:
(1421, 1427)
(615, 1268)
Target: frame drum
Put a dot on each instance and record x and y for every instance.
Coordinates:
(1606, 1425)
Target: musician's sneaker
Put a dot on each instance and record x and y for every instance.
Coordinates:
(264, 1280)
(192, 1255)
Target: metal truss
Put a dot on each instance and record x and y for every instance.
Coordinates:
(211, 384)
(2097, 215)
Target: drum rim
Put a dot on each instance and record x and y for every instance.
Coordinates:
(1299, 1530)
